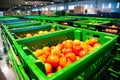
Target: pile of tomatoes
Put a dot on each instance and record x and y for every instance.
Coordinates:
(57, 57)
(36, 34)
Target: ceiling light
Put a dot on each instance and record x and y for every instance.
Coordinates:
(19, 5)
(26, 2)
(15, 6)
(34, 5)
(52, 2)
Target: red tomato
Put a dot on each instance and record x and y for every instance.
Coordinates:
(83, 53)
(77, 49)
(71, 56)
(48, 68)
(42, 58)
(53, 60)
(67, 50)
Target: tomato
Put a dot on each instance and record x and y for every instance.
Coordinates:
(28, 35)
(46, 48)
(60, 46)
(68, 62)
(84, 46)
(90, 49)
(67, 50)
(39, 52)
(83, 53)
(58, 68)
(71, 56)
(76, 42)
(49, 74)
(68, 43)
(64, 61)
(48, 68)
(77, 49)
(42, 58)
(92, 41)
(97, 45)
(87, 41)
(56, 51)
(77, 57)
(47, 53)
(52, 30)
(53, 60)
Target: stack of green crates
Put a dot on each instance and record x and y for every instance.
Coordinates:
(89, 24)
(9, 37)
(28, 67)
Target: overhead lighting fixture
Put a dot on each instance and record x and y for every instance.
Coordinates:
(25, 7)
(15, 6)
(26, 2)
(19, 5)
(35, 5)
(52, 2)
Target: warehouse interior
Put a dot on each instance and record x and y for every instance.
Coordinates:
(60, 39)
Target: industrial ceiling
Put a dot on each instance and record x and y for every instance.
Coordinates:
(6, 4)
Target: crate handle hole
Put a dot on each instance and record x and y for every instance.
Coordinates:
(97, 36)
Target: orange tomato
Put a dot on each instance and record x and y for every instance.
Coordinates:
(56, 51)
(97, 45)
(67, 50)
(71, 56)
(77, 49)
(39, 52)
(42, 58)
(48, 68)
(93, 41)
(83, 53)
(64, 61)
(53, 60)
(49, 74)
(58, 68)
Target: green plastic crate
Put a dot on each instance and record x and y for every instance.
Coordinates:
(103, 73)
(81, 69)
(17, 66)
(22, 25)
(92, 25)
(14, 34)
(114, 75)
(89, 24)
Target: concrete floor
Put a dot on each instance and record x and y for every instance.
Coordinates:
(6, 72)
